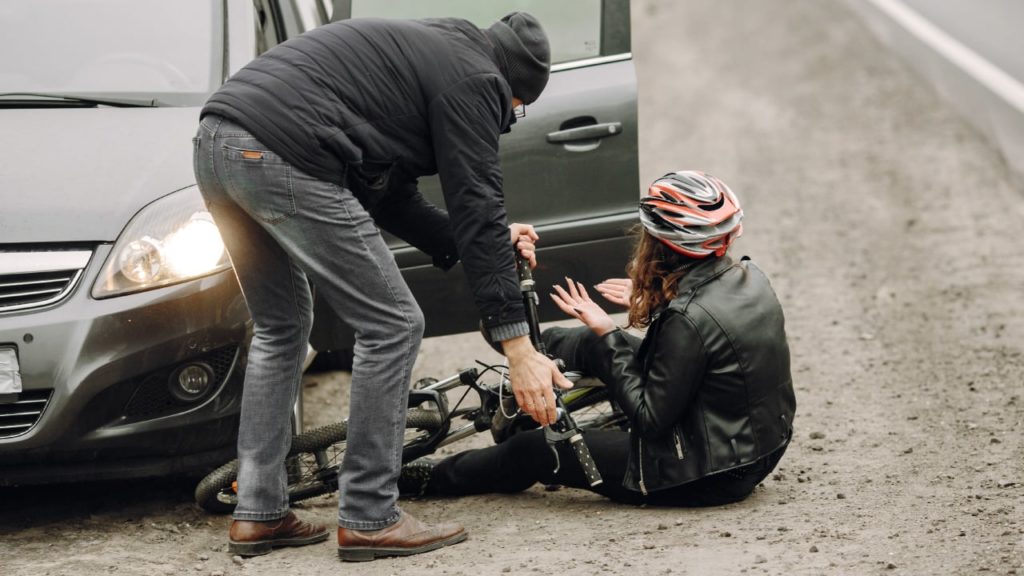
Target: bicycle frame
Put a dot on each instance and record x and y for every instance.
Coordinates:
(482, 417)
(435, 393)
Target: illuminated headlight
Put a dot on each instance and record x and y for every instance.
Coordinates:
(172, 240)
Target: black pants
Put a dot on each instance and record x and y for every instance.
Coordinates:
(526, 459)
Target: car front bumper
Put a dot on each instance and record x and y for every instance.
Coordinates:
(103, 367)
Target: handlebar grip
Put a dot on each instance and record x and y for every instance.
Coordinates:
(523, 270)
(579, 447)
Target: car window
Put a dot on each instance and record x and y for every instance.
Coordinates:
(572, 26)
(266, 25)
(152, 48)
(311, 13)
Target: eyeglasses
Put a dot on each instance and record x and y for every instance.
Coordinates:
(519, 111)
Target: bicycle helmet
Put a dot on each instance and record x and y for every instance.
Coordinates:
(692, 213)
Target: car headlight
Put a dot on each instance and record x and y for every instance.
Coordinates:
(172, 240)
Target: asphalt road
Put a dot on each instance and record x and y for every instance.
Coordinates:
(890, 229)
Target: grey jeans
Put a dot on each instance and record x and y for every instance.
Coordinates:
(282, 226)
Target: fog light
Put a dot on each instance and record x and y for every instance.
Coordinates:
(191, 381)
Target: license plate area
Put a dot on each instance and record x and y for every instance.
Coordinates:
(10, 374)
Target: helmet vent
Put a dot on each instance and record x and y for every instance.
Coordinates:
(715, 206)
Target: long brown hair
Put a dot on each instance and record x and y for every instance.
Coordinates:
(655, 271)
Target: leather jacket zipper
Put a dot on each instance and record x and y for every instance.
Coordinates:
(643, 487)
(679, 444)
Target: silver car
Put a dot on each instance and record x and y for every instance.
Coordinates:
(122, 330)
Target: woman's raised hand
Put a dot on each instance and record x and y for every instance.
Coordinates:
(616, 290)
(574, 301)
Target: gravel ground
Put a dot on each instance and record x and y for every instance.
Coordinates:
(886, 224)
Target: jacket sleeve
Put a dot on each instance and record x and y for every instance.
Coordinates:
(465, 123)
(654, 401)
(411, 217)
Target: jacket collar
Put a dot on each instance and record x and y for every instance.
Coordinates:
(702, 272)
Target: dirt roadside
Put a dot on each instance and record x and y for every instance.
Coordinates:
(890, 230)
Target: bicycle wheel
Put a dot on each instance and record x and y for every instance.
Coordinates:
(594, 410)
(312, 463)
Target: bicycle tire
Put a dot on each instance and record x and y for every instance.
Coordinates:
(596, 411)
(210, 487)
(312, 472)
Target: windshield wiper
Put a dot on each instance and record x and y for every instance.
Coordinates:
(42, 99)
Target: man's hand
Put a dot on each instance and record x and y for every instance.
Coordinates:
(616, 290)
(577, 303)
(532, 375)
(524, 238)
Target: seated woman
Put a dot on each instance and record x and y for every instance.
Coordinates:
(707, 392)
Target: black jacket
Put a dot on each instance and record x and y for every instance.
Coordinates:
(372, 105)
(710, 387)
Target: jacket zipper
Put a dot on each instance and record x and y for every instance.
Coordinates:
(679, 444)
(643, 487)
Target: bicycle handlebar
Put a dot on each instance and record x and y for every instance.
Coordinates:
(530, 300)
(564, 429)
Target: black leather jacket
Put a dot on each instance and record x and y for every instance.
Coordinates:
(710, 388)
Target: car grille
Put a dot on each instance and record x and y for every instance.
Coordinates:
(20, 416)
(33, 279)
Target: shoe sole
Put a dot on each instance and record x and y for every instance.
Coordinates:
(368, 553)
(267, 546)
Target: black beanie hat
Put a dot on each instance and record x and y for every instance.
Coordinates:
(525, 46)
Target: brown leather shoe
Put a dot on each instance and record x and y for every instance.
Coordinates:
(251, 538)
(406, 537)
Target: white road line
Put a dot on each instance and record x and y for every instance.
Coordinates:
(984, 72)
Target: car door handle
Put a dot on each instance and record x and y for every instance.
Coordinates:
(592, 132)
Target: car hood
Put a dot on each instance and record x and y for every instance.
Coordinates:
(80, 174)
